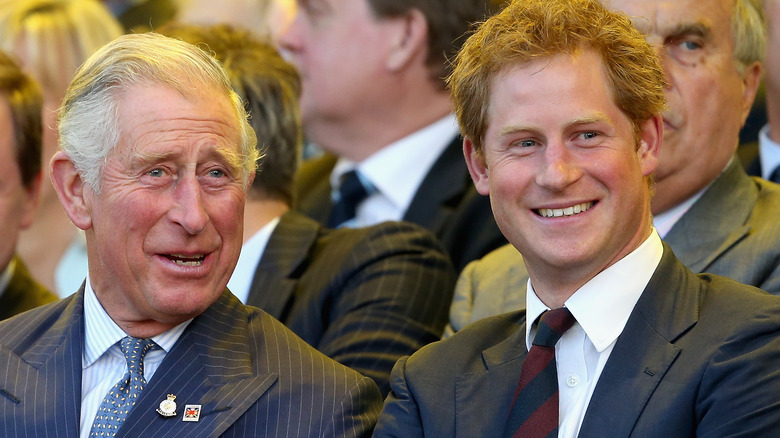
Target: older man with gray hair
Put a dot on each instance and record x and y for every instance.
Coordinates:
(155, 161)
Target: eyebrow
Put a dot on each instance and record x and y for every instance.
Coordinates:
(579, 121)
(698, 29)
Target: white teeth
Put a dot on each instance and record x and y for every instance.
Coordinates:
(188, 262)
(183, 260)
(568, 211)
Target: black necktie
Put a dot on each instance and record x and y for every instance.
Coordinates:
(775, 176)
(534, 411)
(351, 193)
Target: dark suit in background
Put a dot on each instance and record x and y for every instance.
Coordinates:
(251, 375)
(698, 357)
(446, 203)
(23, 292)
(364, 297)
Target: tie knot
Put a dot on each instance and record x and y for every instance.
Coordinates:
(775, 176)
(552, 325)
(352, 189)
(351, 193)
(134, 350)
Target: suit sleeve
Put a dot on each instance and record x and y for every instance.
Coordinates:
(740, 388)
(393, 299)
(400, 417)
(356, 413)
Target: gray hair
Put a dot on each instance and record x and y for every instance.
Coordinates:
(89, 129)
(748, 28)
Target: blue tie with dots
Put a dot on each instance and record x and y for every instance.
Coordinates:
(122, 397)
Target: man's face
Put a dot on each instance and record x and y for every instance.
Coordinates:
(17, 203)
(340, 49)
(708, 99)
(562, 168)
(166, 229)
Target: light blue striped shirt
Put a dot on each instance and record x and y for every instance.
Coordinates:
(102, 362)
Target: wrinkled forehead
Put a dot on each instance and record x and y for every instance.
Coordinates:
(673, 17)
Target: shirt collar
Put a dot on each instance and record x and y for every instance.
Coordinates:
(101, 332)
(397, 170)
(603, 304)
(5, 276)
(251, 254)
(769, 153)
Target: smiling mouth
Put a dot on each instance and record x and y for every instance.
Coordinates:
(184, 260)
(568, 211)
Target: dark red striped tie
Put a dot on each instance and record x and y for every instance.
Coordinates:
(534, 411)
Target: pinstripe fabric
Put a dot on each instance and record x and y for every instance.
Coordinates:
(103, 362)
(364, 297)
(250, 374)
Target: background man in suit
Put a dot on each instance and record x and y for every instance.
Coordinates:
(20, 183)
(374, 98)
(156, 157)
(715, 217)
(560, 103)
(365, 297)
(766, 157)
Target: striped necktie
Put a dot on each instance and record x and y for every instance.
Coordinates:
(122, 397)
(534, 411)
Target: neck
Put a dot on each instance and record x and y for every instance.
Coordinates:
(359, 137)
(258, 212)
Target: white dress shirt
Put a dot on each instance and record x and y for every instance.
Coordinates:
(251, 254)
(102, 361)
(601, 307)
(768, 153)
(396, 172)
(5, 276)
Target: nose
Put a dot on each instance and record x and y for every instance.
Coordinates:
(189, 210)
(558, 169)
(289, 38)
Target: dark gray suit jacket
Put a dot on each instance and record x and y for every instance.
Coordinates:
(251, 375)
(446, 203)
(698, 357)
(733, 230)
(364, 297)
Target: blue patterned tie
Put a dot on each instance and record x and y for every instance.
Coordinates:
(122, 397)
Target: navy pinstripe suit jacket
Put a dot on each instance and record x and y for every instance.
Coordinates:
(252, 376)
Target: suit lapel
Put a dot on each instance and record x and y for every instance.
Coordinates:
(716, 222)
(644, 351)
(482, 399)
(278, 272)
(441, 190)
(46, 379)
(210, 365)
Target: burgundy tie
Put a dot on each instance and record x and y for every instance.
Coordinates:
(534, 411)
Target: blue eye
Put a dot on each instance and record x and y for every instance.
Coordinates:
(690, 45)
(216, 173)
(589, 135)
(527, 143)
(156, 173)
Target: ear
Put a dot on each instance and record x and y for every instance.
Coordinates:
(751, 79)
(650, 140)
(477, 167)
(71, 190)
(33, 191)
(410, 38)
